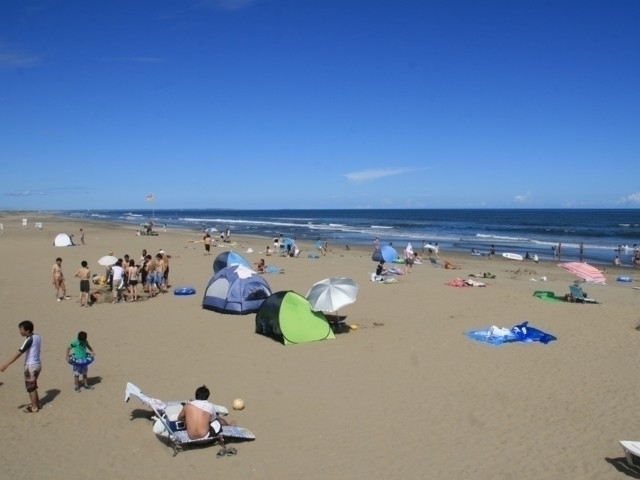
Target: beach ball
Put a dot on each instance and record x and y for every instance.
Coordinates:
(238, 404)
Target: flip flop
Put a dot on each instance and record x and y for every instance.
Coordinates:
(229, 452)
(30, 410)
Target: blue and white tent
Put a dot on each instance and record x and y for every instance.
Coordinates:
(236, 290)
(226, 259)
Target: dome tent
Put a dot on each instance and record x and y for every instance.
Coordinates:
(236, 290)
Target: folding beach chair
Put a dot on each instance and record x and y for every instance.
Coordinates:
(167, 426)
(631, 451)
(578, 295)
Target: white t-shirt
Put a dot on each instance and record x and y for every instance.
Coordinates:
(205, 406)
(31, 346)
(117, 273)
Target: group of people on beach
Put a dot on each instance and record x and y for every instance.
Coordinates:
(151, 272)
(122, 278)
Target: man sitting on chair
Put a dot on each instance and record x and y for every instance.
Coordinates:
(200, 416)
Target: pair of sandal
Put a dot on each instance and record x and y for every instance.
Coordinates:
(29, 409)
(226, 452)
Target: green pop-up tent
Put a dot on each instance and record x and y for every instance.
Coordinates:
(287, 317)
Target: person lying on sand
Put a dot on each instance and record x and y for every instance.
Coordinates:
(450, 266)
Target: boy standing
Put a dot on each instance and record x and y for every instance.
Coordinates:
(84, 274)
(32, 363)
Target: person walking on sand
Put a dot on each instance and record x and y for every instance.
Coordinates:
(58, 280)
(32, 363)
(78, 359)
(84, 274)
(82, 236)
(409, 257)
(207, 244)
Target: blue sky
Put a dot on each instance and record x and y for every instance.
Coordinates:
(319, 104)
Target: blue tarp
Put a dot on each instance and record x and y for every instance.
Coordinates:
(519, 333)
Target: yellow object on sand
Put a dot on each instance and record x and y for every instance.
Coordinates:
(353, 326)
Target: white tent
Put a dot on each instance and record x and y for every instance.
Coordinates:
(63, 240)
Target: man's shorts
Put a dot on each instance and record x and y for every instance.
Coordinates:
(31, 373)
(85, 286)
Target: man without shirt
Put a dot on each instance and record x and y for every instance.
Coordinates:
(84, 274)
(58, 280)
(200, 416)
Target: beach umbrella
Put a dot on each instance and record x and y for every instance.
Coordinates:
(331, 294)
(588, 272)
(385, 253)
(107, 260)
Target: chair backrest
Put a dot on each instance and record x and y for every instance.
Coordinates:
(576, 292)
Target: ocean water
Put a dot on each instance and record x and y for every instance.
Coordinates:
(604, 233)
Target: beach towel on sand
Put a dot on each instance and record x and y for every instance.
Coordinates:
(519, 333)
(459, 282)
(273, 269)
(548, 296)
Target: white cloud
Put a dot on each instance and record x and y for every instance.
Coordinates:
(47, 191)
(20, 193)
(522, 198)
(10, 59)
(632, 198)
(366, 175)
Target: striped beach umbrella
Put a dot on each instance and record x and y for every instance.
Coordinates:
(588, 272)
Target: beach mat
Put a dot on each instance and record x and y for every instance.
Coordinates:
(548, 296)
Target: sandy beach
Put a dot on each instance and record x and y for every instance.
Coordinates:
(406, 395)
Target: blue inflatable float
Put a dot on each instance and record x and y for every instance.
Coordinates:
(624, 278)
(88, 360)
(519, 333)
(184, 291)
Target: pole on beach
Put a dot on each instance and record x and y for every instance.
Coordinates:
(150, 198)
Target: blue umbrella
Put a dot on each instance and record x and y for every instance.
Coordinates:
(385, 253)
(226, 259)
